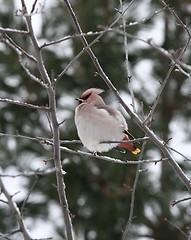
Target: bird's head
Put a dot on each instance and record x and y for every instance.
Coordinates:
(91, 96)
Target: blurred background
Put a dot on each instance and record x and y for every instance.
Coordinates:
(98, 192)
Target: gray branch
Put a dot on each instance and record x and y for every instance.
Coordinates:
(23, 104)
(15, 210)
(55, 126)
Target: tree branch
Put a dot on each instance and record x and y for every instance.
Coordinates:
(55, 126)
(87, 46)
(127, 67)
(24, 104)
(174, 202)
(49, 142)
(10, 30)
(9, 41)
(127, 228)
(177, 17)
(179, 64)
(15, 210)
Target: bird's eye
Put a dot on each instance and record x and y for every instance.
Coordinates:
(86, 97)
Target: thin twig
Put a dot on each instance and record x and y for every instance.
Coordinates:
(175, 226)
(71, 37)
(33, 6)
(179, 64)
(15, 210)
(106, 30)
(20, 52)
(43, 140)
(127, 67)
(30, 173)
(10, 30)
(87, 46)
(23, 104)
(28, 195)
(11, 233)
(29, 74)
(150, 115)
(8, 40)
(133, 191)
(54, 123)
(109, 159)
(177, 17)
(174, 202)
(40, 139)
(48, 141)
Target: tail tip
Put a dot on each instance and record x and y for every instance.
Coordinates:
(136, 151)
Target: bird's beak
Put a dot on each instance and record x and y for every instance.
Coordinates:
(79, 100)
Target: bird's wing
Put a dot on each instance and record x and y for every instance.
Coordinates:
(114, 113)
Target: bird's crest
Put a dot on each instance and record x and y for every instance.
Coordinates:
(91, 90)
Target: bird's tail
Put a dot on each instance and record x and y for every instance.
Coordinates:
(130, 146)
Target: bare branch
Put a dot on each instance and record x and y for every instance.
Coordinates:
(127, 228)
(28, 195)
(175, 226)
(174, 202)
(177, 17)
(87, 46)
(144, 20)
(33, 6)
(38, 172)
(48, 141)
(125, 42)
(70, 37)
(20, 52)
(24, 104)
(9, 41)
(15, 210)
(181, 154)
(9, 30)
(179, 63)
(150, 115)
(55, 126)
(39, 59)
(30, 75)
(11, 233)
(109, 159)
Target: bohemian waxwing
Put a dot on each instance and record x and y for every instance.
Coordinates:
(97, 122)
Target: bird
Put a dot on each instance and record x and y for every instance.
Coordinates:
(98, 123)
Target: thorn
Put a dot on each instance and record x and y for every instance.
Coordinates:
(95, 153)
